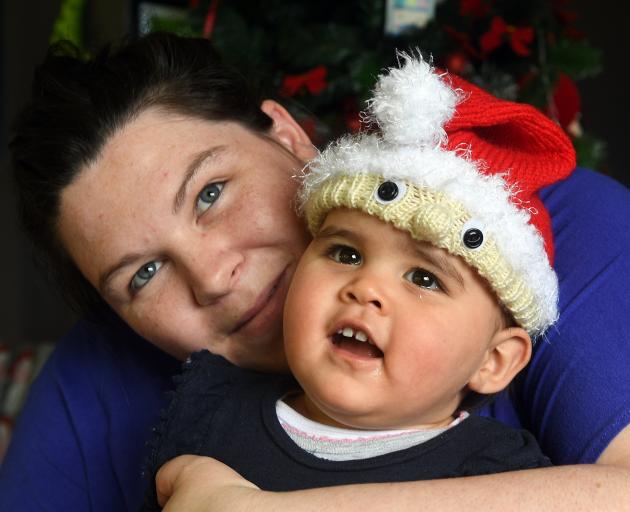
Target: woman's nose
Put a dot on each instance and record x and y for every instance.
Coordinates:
(366, 290)
(211, 275)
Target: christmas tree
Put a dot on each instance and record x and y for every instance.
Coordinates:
(322, 58)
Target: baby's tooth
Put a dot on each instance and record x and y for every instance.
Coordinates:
(360, 336)
(348, 332)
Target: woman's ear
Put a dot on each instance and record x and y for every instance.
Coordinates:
(288, 132)
(508, 353)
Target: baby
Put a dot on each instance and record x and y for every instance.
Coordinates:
(428, 275)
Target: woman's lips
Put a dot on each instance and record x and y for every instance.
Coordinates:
(267, 308)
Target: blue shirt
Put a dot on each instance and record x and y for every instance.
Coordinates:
(81, 439)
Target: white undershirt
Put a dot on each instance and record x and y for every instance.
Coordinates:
(335, 443)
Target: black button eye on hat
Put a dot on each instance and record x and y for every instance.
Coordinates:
(473, 238)
(387, 191)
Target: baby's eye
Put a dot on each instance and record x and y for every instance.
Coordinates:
(345, 255)
(423, 279)
(208, 196)
(144, 275)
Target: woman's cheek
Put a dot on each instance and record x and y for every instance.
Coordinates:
(164, 321)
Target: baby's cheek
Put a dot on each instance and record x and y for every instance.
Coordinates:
(425, 363)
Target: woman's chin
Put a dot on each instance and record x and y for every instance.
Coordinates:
(269, 359)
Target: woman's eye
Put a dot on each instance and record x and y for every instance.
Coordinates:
(208, 196)
(345, 255)
(423, 279)
(144, 275)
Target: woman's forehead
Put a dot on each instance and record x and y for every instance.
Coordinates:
(158, 145)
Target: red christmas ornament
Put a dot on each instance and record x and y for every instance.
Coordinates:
(457, 63)
(562, 14)
(462, 40)
(519, 37)
(309, 125)
(314, 81)
(574, 33)
(351, 115)
(474, 8)
(565, 105)
(211, 18)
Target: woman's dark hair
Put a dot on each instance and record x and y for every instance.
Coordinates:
(78, 104)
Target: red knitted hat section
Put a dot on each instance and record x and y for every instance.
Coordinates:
(516, 140)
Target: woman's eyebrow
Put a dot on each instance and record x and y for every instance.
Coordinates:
(192, 169)
(105, 281)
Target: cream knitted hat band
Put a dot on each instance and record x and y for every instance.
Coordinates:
(430, 215)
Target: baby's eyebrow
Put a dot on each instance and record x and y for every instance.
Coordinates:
(438, 260)
(333, 231)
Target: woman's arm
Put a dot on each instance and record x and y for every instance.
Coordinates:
(200, 484)
(618, 451)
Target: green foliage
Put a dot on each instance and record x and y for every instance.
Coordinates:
(578, 59)
(590, 151)
(69, 23)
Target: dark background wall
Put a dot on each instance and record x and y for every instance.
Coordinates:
(31, 311)
(605, 98)
(28, 310)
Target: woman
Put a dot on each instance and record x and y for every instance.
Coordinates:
(160, 186)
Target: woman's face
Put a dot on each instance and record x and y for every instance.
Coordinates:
(187, 228)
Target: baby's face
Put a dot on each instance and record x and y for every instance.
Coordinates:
(383, 331)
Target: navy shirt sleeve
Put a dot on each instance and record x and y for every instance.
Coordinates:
(80, 440)
(575, 394)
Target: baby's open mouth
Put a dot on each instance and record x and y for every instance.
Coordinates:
(356, 342)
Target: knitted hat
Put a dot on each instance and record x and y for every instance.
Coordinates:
(456, 167)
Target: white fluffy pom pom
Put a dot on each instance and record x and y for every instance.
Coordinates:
(411, 104)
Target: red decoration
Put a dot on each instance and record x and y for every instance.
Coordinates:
(474, 8)
(519, 37)
(462, 40)
(351, 115)
(563, 15)
(211, 18)
(565, 105)
(309, 125)
(457, 63)
(574, 33)
(314, 81)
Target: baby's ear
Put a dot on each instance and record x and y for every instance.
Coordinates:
(508, 353)
(287, 131)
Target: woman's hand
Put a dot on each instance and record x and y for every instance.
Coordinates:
(193, 483)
